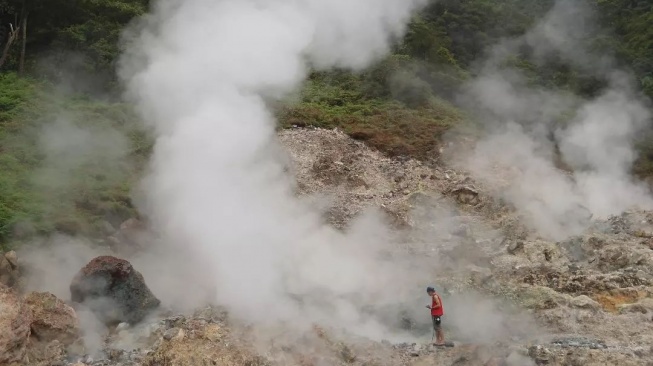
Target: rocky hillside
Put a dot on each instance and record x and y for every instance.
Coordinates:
(511, 298)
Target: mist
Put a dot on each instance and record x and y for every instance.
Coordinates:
(77, 154)
(533, 132)
(217, 192)
(226, 225)
(68, 146)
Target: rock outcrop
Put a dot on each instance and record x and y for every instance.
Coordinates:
(15, 320)
(52, 319)
(113, 290)
(9, 269)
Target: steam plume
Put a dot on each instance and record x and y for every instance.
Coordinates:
(201, 72)
(596, 141)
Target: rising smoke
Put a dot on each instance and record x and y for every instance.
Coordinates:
(526, 141)
(201, 72)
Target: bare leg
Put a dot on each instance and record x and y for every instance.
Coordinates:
(440, 336)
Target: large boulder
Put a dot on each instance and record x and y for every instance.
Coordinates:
(15, 320)
(52, 319)
(113, 290)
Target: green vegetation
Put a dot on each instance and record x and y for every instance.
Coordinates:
(401, 106)
(42, 190)
(384, 123)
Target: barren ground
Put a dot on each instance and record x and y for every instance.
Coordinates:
(585, 301)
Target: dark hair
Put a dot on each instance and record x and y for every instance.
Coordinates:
(430, 289)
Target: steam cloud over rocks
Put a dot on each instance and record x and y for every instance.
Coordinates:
(201, 72)
(524, 143)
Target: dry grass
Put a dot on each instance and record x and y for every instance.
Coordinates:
(205, 345)
(389, 126)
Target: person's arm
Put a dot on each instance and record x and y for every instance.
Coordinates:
(437, 302)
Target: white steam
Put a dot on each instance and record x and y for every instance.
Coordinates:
(201, 72)
(68, 146)
(518, 157)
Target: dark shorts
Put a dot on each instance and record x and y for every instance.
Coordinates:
(436, 322)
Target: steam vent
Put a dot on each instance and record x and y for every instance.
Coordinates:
(113, 290)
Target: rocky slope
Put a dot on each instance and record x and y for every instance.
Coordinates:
(512, 298)
(589, 296)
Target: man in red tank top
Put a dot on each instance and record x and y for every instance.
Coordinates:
(437, 311)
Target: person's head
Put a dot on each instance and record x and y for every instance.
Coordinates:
(430, 291)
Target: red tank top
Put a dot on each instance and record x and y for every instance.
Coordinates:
(437, 311)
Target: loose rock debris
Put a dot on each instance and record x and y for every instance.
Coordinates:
(592, 293)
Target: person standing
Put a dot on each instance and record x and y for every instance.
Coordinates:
(437, 311)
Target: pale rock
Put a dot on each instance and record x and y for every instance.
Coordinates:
(12, 258)
(15, 321)
(52, 319)
(584, 302)
(642, 306)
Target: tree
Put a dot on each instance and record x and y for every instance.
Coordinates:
(15, 28)
(23, 22)
(88, 30)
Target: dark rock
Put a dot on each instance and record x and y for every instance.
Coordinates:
(579, 342)
(547, 255)
(170, 333)
(113, 290)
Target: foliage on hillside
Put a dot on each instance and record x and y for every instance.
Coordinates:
(67, 35)
(47, 183)
(408, 124)
(443, 41)
(401, 106)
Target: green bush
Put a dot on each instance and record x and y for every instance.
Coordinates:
(44, 191)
